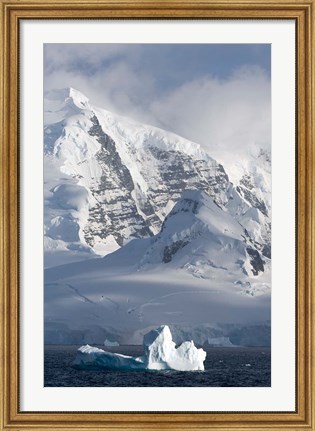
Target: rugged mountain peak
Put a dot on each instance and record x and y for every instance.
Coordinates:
(67, 95)
(133, 175)
(63, 103)
(188, 203)
(192, 201)
(201, 238)
(265, 154)
(197, 211)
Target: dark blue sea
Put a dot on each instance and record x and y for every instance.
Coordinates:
(224, 367)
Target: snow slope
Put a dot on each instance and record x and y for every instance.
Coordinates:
(109, 179)
(199, 237)
(201, 270)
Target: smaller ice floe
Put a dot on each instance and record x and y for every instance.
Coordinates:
(89, 357)
(109, 343)
(160, 353)
(219, 342)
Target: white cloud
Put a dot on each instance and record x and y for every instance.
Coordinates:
(117, 87)
(72, 56)
(229, 117)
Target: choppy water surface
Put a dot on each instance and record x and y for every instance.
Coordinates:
(224, 367)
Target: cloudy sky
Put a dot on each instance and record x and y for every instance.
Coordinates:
(215, 94)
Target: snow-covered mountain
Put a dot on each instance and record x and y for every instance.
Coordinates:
(198, 236)
(109, 179)
(201, 268)
(183, 245)
(252, 177)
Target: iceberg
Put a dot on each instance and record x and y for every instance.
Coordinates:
(219, 342)
(160, 353)
(92, 358)
(109, 343)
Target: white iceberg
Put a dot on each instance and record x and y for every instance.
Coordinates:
(109, 343)
(219, 342)
(89, 357)
(160, 353)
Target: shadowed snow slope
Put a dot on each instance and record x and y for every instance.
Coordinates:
(160, 353)
(201, 268)
(201, 237)
(109, 179)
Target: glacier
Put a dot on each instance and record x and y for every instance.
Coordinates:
(160, 353)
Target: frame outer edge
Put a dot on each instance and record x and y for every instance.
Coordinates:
(14, 176)
(306, 211)
(2, 203)
(5, 217)
(310, 211)
(312, 218)
(9, 235)
(301, 245)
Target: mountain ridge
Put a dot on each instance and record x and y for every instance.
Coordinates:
(123, 178)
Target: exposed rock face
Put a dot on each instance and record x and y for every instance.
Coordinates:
(256, 261)
(133, 175)
(200, 237)
(171, 250)
(245, 191)
(121, 213)
(115, 212)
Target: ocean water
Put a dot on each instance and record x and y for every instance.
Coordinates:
(224, 367)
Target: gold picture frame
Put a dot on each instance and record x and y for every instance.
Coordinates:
(12, 12)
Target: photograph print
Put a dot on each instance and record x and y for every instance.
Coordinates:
(157, 215)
